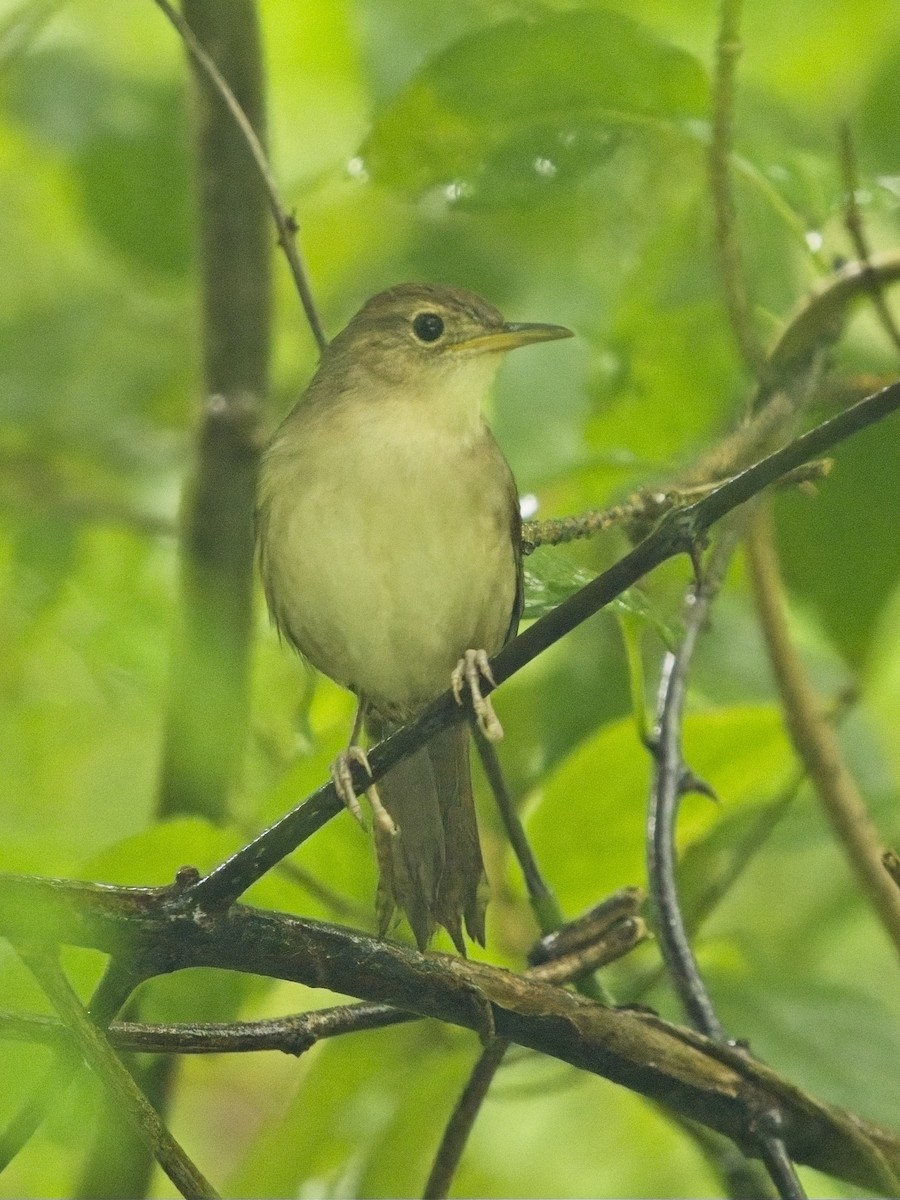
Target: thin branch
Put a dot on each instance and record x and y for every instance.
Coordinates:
(640, 512)
(577, 964)
(713, 1084)
(101, 1058)
(333, 901)
(742, 1178)
(676, 533)
(671, 780)
(854, 225)
(778, 1162)
(462, 1119)
(728, 49)
(571, 952)
(558, 530)
(285, 224)
(819, 318)
(540, 894)
(294, 1034)
(814, 737)
(115, 986)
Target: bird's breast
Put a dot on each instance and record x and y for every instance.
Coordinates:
(387, 551)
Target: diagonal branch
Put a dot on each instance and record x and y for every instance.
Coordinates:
(815, 739)
(676, 533)
(286, 225)
(103, 1061)
(853, 222)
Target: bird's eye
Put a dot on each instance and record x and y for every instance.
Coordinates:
(428, 327)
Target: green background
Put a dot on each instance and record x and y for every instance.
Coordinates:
(553, 157)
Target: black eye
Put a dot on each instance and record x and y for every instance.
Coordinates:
(428, 327)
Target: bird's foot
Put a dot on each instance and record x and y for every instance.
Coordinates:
(342, 775)
(468, 674)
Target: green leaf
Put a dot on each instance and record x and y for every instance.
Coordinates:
(549, 578)
(127, 142)
(351, 1092)
(522, 106)
(587, 822)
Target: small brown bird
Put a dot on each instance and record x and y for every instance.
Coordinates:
(389, 539)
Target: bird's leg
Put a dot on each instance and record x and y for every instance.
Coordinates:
(468, 674)
(342, 775)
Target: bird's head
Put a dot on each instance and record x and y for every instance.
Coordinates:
(430, 343)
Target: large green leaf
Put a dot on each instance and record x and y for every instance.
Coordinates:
(522, 106)
(587, 821)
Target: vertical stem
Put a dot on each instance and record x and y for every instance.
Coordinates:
(814, 737)
(728, 49)
(207, 717)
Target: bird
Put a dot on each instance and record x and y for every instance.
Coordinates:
(389, 540)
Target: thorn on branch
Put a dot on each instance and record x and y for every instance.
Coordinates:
(690, 784)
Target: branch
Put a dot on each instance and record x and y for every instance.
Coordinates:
(672, 779)
(543, 902)
(676, 533)
(854, 224)
(681, 1069)
(570, 952)
(285, 224)
(466, 1109)
(101, 1058)
(207, 711)
(814, 737)
(728, 49)
(115, 986)
(294, 1034)
(820, 317)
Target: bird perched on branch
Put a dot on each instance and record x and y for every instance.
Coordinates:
(389, 539)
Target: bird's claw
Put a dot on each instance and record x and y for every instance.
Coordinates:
(467, 675)
(342, 775)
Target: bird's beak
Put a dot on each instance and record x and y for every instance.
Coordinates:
(510, 335)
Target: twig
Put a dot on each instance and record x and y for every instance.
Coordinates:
(286, 225)
(742, 1178)
(100, 1057)
(671, 779)
(854, 226)
(560, 969)
(558, 530)
(819, 318)
(814, 738)
(571, 953)
(676, 533)
(114, 988)
(465, 1111)
(294, 1034)
(640, 512)
(711, 1083)
(540, 894)
(728, 49)
(337, 905)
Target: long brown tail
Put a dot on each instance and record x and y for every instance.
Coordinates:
(433, 870)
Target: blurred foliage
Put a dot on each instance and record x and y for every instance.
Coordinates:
(552, 156)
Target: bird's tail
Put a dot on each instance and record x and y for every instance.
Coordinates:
(432, 869)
